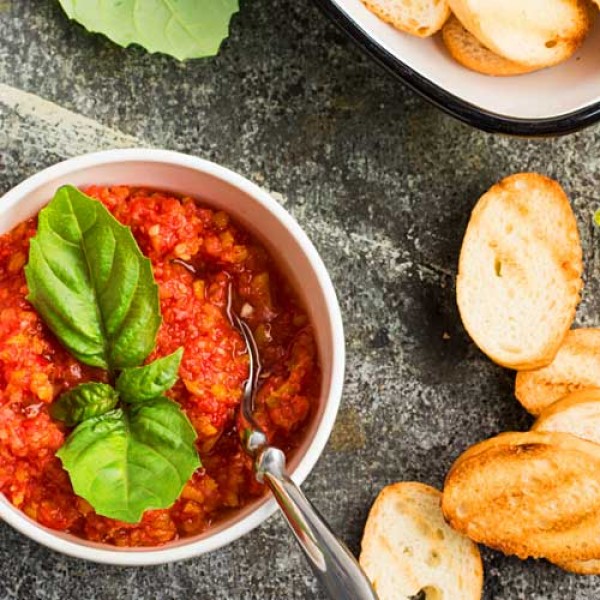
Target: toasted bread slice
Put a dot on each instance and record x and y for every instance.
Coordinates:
(576, 366)
(536, 33)
(533, 494)
(519, 273)
(577, 414)
(408, 547)
(467, 50)
(417, 17)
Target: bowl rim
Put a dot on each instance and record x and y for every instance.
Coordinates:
(451, 104)
(140, 557)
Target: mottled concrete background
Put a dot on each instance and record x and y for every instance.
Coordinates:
(382, 182)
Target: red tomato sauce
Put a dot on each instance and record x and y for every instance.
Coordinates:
(197, 254)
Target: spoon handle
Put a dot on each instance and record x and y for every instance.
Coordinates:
(332, 563)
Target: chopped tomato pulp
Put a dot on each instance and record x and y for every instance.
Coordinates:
(197, 254)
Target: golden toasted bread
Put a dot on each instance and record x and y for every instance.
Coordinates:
(519, 273)
(533, 494)
(408, 547)
(467, 50)
(537, 33)
(576, 366)
(417, 17)
(577, 414)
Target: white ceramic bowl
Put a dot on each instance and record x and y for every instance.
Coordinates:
(255, 209)
(554, 101)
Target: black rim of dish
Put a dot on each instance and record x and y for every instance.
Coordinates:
(451, 104)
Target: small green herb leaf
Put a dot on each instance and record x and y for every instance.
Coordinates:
(83, 402)
(91, 284)
(149, 381)
(597, 218)
(133, 459)
(181, 28)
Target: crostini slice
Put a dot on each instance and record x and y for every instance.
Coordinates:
(576, 366)
(467, 50)
(417, 17)
(533, 494)
(577, 414)
(519, 272)
(537, 33)
(407, 548)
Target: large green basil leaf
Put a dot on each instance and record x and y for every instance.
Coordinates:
(83, 402)
(149, 381)
(131, 460)
(91, 284)
(182, 28)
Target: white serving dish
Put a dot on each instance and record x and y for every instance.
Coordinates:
(554, 101)
(260, 213)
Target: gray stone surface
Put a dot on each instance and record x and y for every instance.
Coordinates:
(382, 182)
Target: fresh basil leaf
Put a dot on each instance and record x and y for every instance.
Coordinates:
(184, 29)
(83, 402)
(131, 460)
(91, 284)
(149, 381)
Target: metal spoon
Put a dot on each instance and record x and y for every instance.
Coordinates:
(332, 563)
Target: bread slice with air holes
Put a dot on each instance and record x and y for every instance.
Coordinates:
(519, 272)
(408, 548)
(576, 366)
(417, 17)
(577, 414)
(467, 50)
(536, 33)
(533, 494)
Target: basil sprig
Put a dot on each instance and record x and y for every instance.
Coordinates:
(132, 449)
